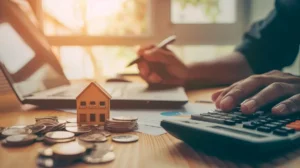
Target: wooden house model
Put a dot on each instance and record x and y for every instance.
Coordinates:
(93, 105)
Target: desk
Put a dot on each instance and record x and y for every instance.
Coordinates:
(149, 152)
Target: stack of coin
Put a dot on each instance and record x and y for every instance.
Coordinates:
(61, 155)
(51, 122)
(121, 124)
(58, 137)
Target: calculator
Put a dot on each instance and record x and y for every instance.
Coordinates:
(260, 132)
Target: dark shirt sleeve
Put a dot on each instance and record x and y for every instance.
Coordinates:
(273, 43)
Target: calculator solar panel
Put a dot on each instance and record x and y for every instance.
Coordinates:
(260, 132)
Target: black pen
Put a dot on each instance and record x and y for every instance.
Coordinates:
(162, 44)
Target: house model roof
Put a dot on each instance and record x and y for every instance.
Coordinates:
(97, 86)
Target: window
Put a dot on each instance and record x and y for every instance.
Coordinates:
(102, 104)
(82, 118)
(82, 103)
(102, 117)
(95, 38)
(92, 117)
(92, 103)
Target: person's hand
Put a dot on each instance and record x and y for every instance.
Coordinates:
(258, 91)
(170, 72)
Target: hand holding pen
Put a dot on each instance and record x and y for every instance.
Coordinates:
(159, 65)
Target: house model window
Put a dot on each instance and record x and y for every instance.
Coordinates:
(92, 117)
(82, 103)
(93, 103)
(102, 104)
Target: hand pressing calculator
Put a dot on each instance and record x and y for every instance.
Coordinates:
(257, 133)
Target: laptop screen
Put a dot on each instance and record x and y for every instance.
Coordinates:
(27, 72)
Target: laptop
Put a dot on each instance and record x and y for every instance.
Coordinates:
(36, 76)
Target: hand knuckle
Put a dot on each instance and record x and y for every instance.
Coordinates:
(279, 87)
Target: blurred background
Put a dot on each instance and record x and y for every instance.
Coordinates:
(93, 39)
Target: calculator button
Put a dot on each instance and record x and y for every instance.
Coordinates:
(263, 121)
(237, 120)
(249, 126)
(264, 129)
(256, 123)
(272, 126)
(280, 132)
(243, 118)
(277, 123)
(207, 119)
(229, 122)
(289, 130)
(269, 119)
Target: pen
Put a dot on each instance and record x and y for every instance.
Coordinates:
(162, 44)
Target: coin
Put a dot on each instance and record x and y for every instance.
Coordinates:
(125, 138)
(95, 158)
(125, 118)
(79, 130)
(68, 149)
(36, 128)
(15, 130)
(46, 152)
(59, 135)
(93, 137)
(45, 162)
(72, 120)
(21, 139)
(54, 141)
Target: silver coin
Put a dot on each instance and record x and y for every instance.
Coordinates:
(46, 152)
(60, 135)
(68, 149)
(54, 141)
(45, 162)
(125, 118)
(36, 128)
(93, 137)
(79, 130)
(125, 138)
(72, 120)
(15, 131)
(93, 158)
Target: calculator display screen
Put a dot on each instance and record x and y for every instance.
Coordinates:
(238, 132)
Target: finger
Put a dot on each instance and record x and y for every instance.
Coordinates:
(220, 97)
(154, 78)
(158, 55)
(288, 106)
(242, 91)
(142, 49)
(271, 93)
(215, 95)
(144, 69)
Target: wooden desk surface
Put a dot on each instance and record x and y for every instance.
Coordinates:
(150, 151)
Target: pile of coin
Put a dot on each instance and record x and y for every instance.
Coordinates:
(17, 136)
(51, 123)
(66, 154)
(121, 124)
